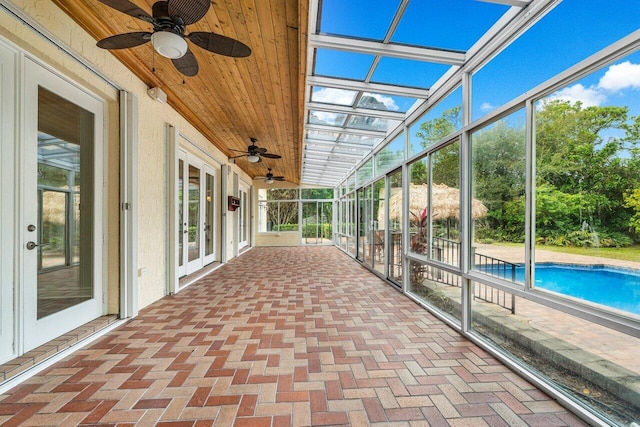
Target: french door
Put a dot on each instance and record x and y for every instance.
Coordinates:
(196, 214)
(60, 217)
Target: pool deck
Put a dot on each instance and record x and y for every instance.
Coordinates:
(617, 347)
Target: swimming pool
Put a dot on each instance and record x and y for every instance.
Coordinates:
(612, 287)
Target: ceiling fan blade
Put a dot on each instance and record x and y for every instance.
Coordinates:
(125, 6)
(220, 44)
(123, 41)
(190, 11)
(187, 65)
(271, 156)
(279, 178)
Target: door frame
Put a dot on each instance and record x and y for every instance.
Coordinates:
(8, 102)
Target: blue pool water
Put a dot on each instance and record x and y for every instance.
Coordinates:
(617, 288)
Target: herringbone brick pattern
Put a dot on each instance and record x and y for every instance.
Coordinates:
(282, 337)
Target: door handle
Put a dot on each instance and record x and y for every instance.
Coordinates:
(31, 245)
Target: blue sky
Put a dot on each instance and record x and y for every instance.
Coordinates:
(571, 32)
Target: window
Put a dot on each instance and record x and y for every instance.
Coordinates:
(498, 197)
(278, 210)
(588, 187)
(437, 123)
(391, 155)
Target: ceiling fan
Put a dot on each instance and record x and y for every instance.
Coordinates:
(170, 19)
(254, 154)
(269, 178)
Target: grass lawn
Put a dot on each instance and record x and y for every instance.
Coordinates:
(631, 253)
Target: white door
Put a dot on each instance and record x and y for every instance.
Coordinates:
(7, 192)
(60, 207)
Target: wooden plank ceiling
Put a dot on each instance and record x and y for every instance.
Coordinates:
(231, 99)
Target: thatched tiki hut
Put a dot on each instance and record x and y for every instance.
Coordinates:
(444, 206)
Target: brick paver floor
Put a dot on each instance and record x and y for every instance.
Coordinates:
(277, 337)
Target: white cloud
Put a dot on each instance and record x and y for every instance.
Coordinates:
(333, 96)
(346, 97)
(621, 76)
(486, 107)
(332, 119)
(388, 101)
(589, 96)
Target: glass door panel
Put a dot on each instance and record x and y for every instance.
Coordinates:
(309, 223)
(243, 215)
(365, 225)
(394, 228)
(209, 224)
(378, 224)
(65, 132)
(193, 214)
(362, 224)
(181, 220)
(325, 221)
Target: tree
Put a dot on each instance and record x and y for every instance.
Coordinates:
(283, 212)
(632, 201)
(590, 151)
(432, 131)
(498, 171)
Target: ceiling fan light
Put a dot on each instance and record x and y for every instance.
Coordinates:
(269, 180)
(253, 158)
(168, 44)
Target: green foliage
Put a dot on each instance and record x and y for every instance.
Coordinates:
(498, 158)
(587, 239)
(282, 194)
(418, 172)
(285, 227)
(434, 130)
(557, 211)
(590, 151)
(446, 165)
(632, 201)
(316, 193)
(587, 180)
(321, 230)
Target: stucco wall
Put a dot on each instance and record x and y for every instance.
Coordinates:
(153, 117)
